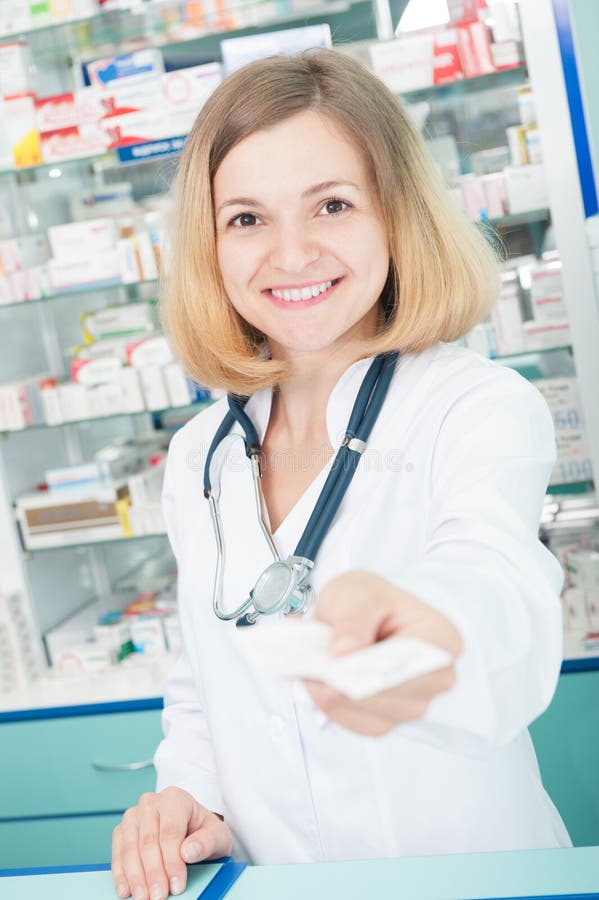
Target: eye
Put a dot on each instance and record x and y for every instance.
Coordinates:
(335, 201)
(243, 224)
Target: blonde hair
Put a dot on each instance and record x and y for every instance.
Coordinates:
(443, 275)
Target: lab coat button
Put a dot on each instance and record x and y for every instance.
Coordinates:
(277, 726)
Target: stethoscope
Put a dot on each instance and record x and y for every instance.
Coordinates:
(283, 587)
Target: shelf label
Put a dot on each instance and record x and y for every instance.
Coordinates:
(151, 149)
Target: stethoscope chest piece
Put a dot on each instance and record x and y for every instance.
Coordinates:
(279, 588)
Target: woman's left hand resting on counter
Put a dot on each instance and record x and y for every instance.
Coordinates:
(363, 608)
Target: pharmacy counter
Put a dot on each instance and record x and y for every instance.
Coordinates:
(566, 873)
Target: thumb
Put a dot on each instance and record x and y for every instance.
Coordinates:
(208, 838)
(351, 604)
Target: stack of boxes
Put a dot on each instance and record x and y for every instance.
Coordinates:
(23, 15)
(130, 100)
(467, 49)
(20, 661)
(530, 313)
(115, 496)
(129, 373)
(148, 627)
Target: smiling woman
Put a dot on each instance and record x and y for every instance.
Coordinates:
(320, 270)
(310, 166)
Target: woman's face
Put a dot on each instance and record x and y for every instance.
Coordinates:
(294, 211)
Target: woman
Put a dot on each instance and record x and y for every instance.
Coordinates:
(312, 234)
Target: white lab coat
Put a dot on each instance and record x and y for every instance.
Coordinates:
(445, 504)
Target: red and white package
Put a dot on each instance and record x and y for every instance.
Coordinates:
(446, 58)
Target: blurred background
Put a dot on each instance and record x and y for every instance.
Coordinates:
(96, 100)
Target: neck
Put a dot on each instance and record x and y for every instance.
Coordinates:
(299, 405)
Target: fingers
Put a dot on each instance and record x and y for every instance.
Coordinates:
(211, 841)
(146, 846)
(341, 605)
(121, 885)
(343, 711)
(378, 714)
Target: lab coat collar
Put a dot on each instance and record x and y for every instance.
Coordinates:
(339, 404)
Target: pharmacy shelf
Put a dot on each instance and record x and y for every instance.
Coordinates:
(516, 219)
(515, 76)
(109, 155)
(191, 408)
(527, 355)
(29, 552)
(64, 23)
(80, 291)
(124, 30)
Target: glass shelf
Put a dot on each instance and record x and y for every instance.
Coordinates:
(79, 291)
(514, 219)
(504, 78)
(168, 24)
(525, 354)
(109, 155)
(192, 408)
(29, 552)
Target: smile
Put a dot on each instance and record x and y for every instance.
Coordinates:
(302, 297)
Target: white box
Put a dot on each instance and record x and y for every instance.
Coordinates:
(86, 139)
(73, 401)
(125, 96)
(547, 292)
(573, 455)
(139, 64)
(51, 405)
(153, 387)
(132, 397)
(526, 188)
(545, 335)
(15, 62)
(116, 321)
(68, 109)
(102, 268)
(151, 351)
(188, 89)
(82, 240)
(592, 605)
(509, 325)
(405, 64)
(177, 385)
(147, 634)
(90, 372)
(236, 52)
(135, 128)
(21, 129)
(575, 610)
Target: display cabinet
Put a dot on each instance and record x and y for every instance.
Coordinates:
(70, 570)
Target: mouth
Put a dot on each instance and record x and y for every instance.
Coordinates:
(296, 298)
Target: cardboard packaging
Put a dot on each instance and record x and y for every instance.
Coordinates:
(86, 139)
(21, 129)
(139, 64)
(15, 62)
(526, 188)
(405, 64)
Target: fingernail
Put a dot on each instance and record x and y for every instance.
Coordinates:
(139, 893)
(192, 853)
(156, 892)
(345, 643)
(122, 890)
(175, 885)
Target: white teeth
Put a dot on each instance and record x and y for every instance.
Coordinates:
(302, 293)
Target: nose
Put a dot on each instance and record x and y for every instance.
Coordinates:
(293, 248)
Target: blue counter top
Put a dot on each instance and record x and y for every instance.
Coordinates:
(567, 872)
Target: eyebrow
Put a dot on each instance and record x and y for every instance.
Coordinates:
(315, 189)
